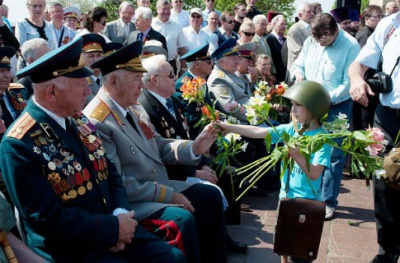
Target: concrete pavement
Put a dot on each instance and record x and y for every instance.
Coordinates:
(349, 238)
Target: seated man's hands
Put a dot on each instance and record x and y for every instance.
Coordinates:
(205, 139)
(127, 227)
(206, 173)
(180, 199)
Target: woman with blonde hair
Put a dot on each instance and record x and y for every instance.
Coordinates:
(246, 31)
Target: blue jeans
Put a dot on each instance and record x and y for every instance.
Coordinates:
(333, 174)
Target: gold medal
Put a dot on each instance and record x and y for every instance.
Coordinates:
(89, 186)
(100, 176)
(100, 152)
(72, 194)
(81, 190)
(65, 197)
(91, 138)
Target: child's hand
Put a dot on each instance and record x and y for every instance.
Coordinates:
(294, 152)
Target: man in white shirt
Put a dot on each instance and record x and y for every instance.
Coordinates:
(119, 30)
(172, 32)
(210, 6)
(178, 15)
(194, 35)
(299, 32)
(212, 30)
(61, 34)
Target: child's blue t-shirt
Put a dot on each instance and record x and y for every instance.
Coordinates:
(299, 184)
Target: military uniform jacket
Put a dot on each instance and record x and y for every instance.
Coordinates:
(226, 88)
(64, 187)
(139, 155)
(94, 87)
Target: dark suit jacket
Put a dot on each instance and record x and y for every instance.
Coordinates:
(166, 125)
(151, 35)
(116, 33)
(276, 54)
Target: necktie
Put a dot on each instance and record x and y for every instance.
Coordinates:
(140, 36)
(68, 126)
(131, 122)
(98, 81)
(281, 40)
(170, 107)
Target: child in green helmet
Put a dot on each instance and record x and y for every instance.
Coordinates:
(310, 102)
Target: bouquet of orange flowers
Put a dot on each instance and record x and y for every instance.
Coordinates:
(279, 106)
(194, 91)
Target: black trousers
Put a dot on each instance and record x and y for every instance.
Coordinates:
(387, 199)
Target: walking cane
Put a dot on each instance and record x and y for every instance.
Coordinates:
(7, 248)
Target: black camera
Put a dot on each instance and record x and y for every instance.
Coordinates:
(380, 83)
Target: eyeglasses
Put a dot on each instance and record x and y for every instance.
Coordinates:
(229, 22)
(104, 22)
(210, 1)
(195, 16)
(178, 2)
(249, 34)
(377, 16)
(171, 75)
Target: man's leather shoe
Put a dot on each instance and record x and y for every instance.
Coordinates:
(234, 246)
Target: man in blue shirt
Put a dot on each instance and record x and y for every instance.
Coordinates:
(325, 58)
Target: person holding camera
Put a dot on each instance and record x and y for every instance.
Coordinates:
(384, 42)
(325, 58)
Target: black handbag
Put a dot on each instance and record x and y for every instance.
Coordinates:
(299, 226)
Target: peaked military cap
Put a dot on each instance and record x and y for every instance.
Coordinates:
(341, 13)
(153, 47)
(64, 61)
(227, 48)
(200, 53)
(93, 43)
(6, 53)
(72, 12)
(247, 50)
(127, 57)
(111, 47)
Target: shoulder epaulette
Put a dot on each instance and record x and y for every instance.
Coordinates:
(89, 80)
(221, 74)
(101, 112)
(16, 86)
(21, 126)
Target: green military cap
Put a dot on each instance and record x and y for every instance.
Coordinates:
(247, 50)
(93, 43)
(200, 53)
(64, 61)
(127, 57)
(6, 53)
(227, 48)
(111, 47)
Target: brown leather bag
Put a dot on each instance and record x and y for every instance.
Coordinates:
(391, 164)
(299, 227)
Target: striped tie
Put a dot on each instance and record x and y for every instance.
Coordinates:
(170, 107)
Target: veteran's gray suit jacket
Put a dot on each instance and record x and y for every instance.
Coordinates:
(263, 48)
(137, 159)
(115, 32)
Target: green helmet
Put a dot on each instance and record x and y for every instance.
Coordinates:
(311, 95)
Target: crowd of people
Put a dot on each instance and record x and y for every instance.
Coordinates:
(101, 155)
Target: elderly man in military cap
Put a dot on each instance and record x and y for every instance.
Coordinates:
(223, 85)
(93, 48)
(246, 69)
(139, 153)
(72, 15)
(69, 195)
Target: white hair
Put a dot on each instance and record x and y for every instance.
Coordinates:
(144, 12)
(258, 19)
(302, 7)
(152, 65)
(30, 48)
(276, 19)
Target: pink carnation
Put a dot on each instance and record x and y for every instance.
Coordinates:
(377, 134)
(379, 137)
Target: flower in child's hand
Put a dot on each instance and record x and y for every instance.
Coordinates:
(244, 146)
(377, 135)
(207, 112)
(233, 107)
(342, 116)
(233, 137)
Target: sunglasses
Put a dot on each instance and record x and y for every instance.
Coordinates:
(195, 16)
(171, 75)
(249, 34)
(103, 22)
(178, 2)
(229, 22)
(210, 1)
